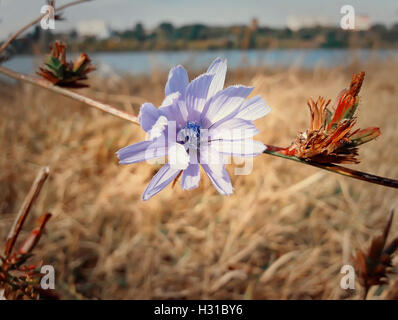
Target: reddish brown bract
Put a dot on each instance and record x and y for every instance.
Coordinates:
(331, 137)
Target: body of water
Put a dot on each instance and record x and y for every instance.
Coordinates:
(138, 63)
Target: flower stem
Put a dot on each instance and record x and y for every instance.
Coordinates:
(71, 94)
(37, 20)
(274, 151)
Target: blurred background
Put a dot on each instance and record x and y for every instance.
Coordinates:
(288, 228)
(139, 36)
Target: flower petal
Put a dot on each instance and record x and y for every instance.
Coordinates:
(223, 104)
(175, 112)
(158, 128)
(190, 177)
(196, 95)
(219, 69)
(221, 182)
(159, 181)
(211, 157)
(178, 157)
(177, 81)
(170, 99)
(148, 116)
(233, 129)
(141, 151)
(239, 148)
(253, 109)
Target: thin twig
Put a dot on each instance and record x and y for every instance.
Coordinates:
(25, 208)
(71, 94)
(37, 20)
(34, 236)
(273, 151)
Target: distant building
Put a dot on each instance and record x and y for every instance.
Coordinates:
(254, 24)
(362, 22)
(93, 28)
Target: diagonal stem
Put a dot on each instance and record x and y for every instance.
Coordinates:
(25, 208)
(34, 236)
(71, 94)
(274, 151)
(37, 20)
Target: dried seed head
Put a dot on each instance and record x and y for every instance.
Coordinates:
(374, 266)
(62, 73)
(331, 137)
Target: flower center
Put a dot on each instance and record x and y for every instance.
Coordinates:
(190, 135)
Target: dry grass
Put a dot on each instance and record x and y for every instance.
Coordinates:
(284, 234)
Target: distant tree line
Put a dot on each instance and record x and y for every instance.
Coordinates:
(166, 36)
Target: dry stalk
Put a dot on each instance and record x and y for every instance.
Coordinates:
(25, 208)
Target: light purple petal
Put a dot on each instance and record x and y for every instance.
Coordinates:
(253, 109)
(170, 99)
(159, 128)
(190, 177)
(148, 116)
(233, 129)
(210, 156)
(219, 69)
(159, 181)
(177, 81)
(239, 148)
(221, 182)
(142, 151)
(223, 104)
(196, 95)
(175, 112)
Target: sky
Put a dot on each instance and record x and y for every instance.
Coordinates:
(121, 14)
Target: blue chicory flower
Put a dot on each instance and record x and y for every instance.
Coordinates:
(198, 123)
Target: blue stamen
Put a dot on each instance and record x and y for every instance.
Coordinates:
(193, 126)
(190, 135)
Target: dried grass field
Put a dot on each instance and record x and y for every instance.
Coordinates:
(284, 234)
